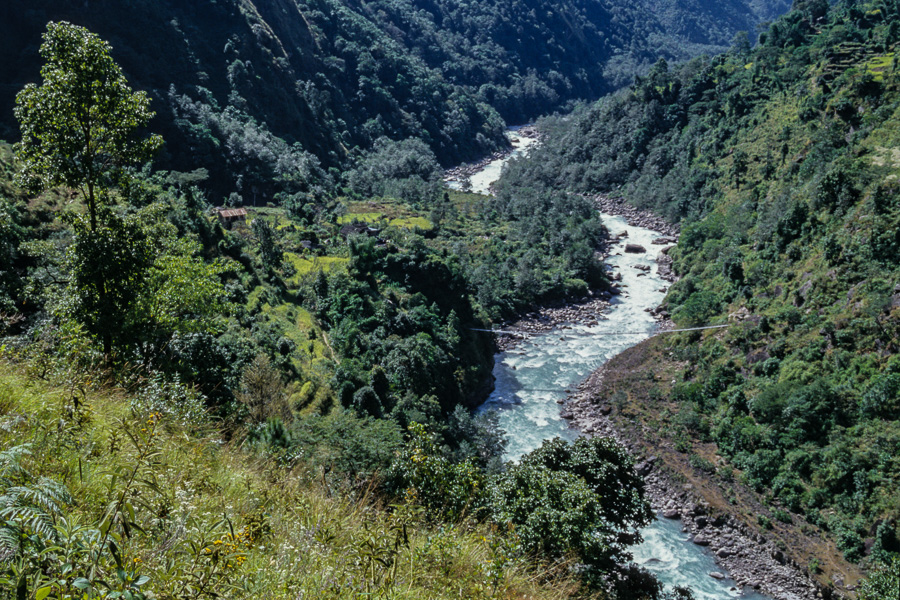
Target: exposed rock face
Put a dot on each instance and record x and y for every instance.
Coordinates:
(664, 266)
(635, 248)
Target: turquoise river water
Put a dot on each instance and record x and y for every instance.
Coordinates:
(535, 374)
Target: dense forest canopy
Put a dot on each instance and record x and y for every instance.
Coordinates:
(267, 95)
(780, 164)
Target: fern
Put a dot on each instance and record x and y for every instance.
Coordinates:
(27, 506)
(46, 493)
(11, 470)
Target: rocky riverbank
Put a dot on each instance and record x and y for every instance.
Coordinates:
(750, 559)
(461, 173)
(586, 311)
(635, 216)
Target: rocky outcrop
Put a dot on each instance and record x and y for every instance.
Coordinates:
(587, 311)
(664, 262)
(664, 240)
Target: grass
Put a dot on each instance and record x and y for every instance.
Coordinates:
(304, 266)
(878, 65)
(299, 326)
(365, 217)
(216, 517)
(384, 212)
(411, 223)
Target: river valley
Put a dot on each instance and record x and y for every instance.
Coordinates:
(533, 378)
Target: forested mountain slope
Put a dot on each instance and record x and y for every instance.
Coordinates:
(333, 345)
(782, 165)
(261, 92)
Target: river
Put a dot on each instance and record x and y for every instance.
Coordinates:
(480, 182)
(534, 375)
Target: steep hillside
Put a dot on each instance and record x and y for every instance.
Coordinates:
(781, 163)
(260, 92)
(126, 499)
(295, 382)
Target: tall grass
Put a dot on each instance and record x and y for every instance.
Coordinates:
(168, 509)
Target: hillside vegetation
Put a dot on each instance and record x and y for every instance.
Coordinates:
(104, 496)
(267, 95)
(781, 165)
(277, 405)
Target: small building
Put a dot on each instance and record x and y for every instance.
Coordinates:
(227, 216)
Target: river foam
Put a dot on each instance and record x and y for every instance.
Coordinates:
(533, 378)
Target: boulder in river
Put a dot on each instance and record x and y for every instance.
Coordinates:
(635, 248)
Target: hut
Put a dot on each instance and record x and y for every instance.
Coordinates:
(227, 216)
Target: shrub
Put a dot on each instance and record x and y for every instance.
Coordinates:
(582, 498)
(703, 464)
(697, 309)
(448, 490)
(883, 583)
(782, 515)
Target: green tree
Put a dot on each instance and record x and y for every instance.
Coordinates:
(80, 128)
(107, 266)
(421, 471)
(82, 124)
(582, 498)
(883, 583)
(11, 234)
(269, 249)
(155, 283)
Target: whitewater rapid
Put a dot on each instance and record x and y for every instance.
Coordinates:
(532, 378)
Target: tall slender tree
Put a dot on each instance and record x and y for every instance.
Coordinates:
(80, 128)
(83, 123)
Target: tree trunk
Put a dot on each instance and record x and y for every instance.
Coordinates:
(101, 281)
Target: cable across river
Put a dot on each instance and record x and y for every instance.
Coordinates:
(527, 333)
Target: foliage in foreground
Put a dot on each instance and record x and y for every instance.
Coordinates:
(103, 499)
